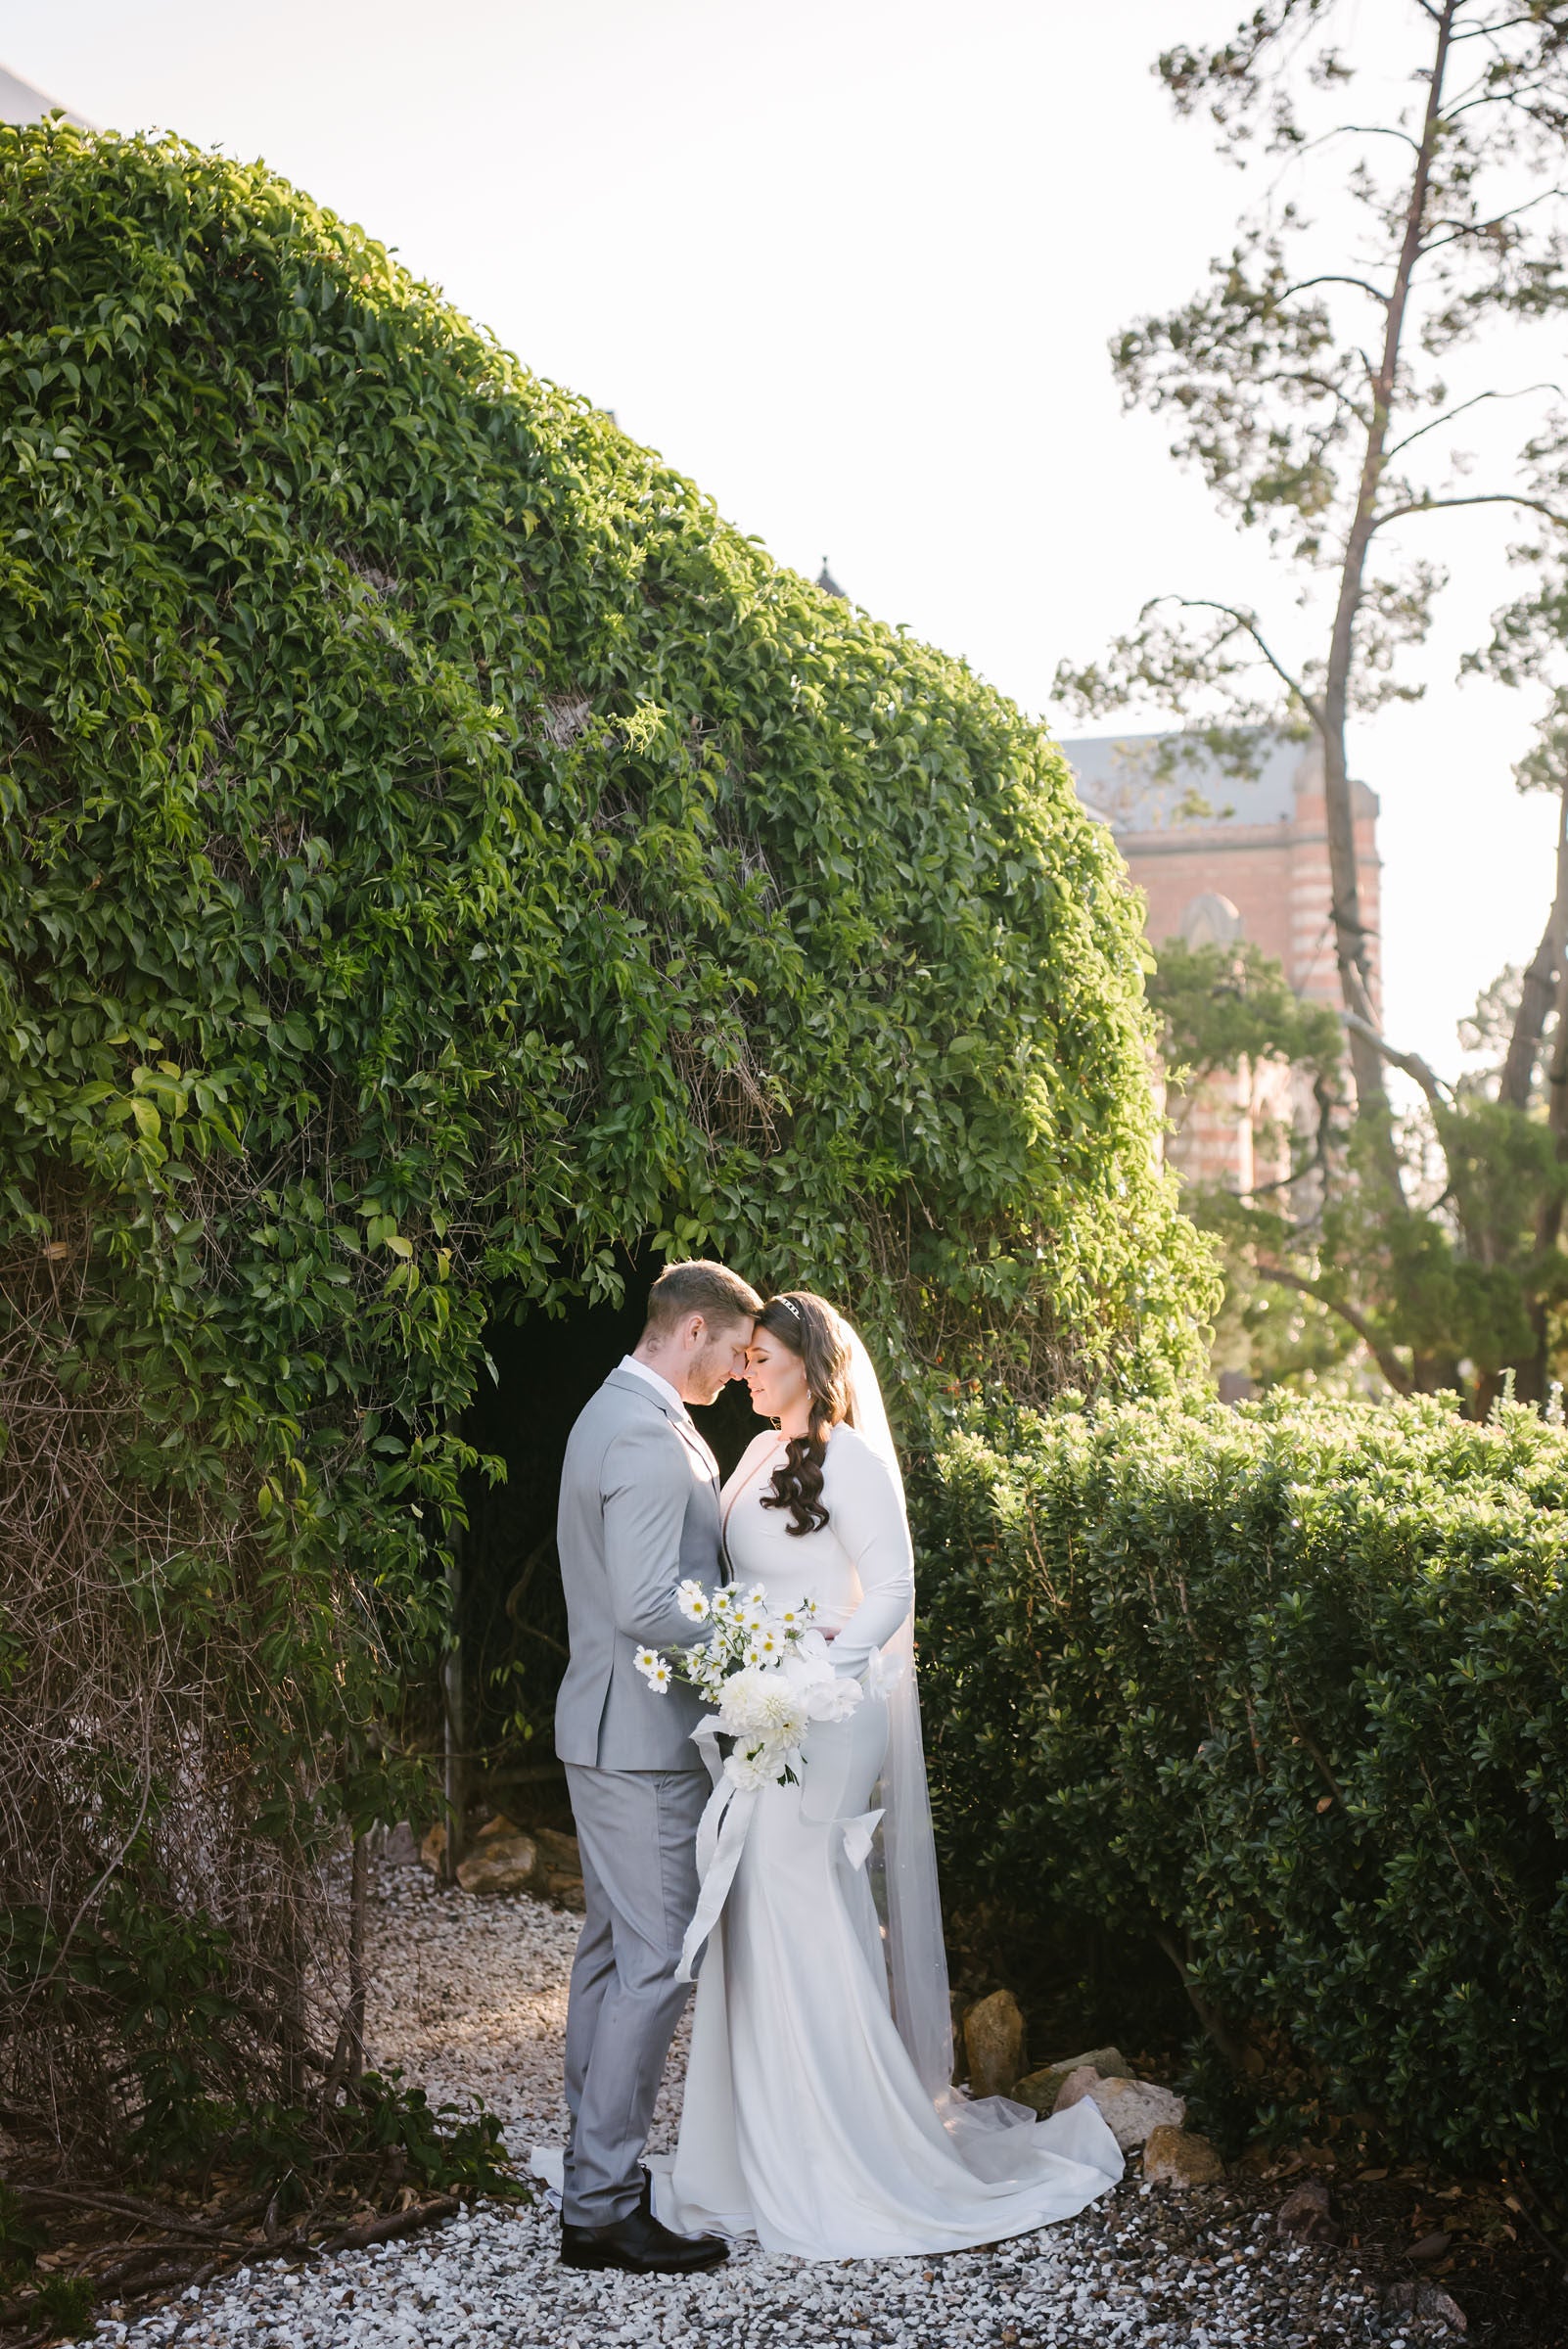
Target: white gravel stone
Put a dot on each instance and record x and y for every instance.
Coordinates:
(469, 1995)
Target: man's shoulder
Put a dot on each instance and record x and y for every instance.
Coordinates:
(622, 1409)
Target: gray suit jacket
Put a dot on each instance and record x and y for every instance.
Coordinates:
(639, 1512)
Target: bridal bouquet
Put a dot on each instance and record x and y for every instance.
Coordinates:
(766, 1672)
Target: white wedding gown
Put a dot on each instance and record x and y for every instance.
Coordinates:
(805, 2122)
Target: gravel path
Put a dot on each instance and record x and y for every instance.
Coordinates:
(469, 1994)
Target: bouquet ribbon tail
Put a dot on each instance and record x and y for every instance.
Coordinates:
(720, 1839)
(857, 1834)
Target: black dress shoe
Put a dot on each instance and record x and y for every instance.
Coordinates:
(640, 2244)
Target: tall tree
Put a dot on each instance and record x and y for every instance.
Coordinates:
(1307, 381)
(1530, 644)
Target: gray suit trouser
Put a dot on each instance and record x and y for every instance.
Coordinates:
(637, 1833)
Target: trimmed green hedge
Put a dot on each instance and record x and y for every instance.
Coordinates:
(1286, 1690)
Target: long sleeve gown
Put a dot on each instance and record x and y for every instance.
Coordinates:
(805, 2122)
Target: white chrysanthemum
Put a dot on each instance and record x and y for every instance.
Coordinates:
(833, 1699)
(822, 1693)
(693, 1602)
(658, 1677)
(723, 1603)
(767, 1645)
(759, 1702)
(751, 1770)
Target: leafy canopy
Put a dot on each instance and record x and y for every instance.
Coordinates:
(442, 855)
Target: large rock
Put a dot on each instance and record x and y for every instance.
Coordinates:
(401, 1847)
(1172, 2157)
(560, 1870)
(1307, 2214)
(1042, 2089)
(500, 1864)
(993, 2042)
(500, 1825)
(433, 1851)
(1134, 2108)
(1426, 2300)
(1075, 2086)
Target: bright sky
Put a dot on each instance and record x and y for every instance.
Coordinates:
(852, 265)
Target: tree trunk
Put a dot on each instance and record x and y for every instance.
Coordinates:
(1350, 932)
(349, 2055)
(454, 1720)
(1535, 1376)
(1541, 982)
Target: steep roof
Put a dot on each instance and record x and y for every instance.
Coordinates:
(1120, 779)
(20, 101)
(1117, 775)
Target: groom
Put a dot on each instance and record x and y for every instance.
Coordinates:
(639, 1513)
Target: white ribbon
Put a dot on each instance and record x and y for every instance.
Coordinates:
(721, 1834)
(721, 1838)
(857, 1834)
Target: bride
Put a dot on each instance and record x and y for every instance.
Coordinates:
(818, 2115)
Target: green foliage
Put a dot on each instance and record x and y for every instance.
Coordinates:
(1465, 1269)
(1218, 1005)
(1463, 1277)
(67, 2303)
(391, 742)
(379, 2133)
(1306, 382)
(442, 857)
(156, 1985)
(19, 2241)
(1284, 1689)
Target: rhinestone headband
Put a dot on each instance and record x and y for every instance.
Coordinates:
(790, 1306)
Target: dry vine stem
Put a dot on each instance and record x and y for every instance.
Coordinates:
(147, 1904)
(125, 2270)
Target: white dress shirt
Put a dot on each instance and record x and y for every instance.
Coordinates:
(630, 1361)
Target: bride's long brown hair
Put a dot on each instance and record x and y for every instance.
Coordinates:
(811, 1328)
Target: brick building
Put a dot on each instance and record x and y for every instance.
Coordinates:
(1220, 859)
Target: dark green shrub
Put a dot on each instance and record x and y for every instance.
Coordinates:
(442, 858)
(67, 2303)
(1284, 1689)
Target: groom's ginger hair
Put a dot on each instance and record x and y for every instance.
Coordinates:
(699, 1287)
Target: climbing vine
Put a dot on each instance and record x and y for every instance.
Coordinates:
(442, 856)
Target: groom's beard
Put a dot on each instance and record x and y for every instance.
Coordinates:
(708, 1380)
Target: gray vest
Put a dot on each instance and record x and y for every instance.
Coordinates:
(639, 1513)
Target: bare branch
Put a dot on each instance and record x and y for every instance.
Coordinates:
(1331, 277)
(1511, 96)
(1436, 423)
(1356, 130)
(1492, 497)
(1393, 1369)
(1411, 1062)
(1459, 230)
(1249, 626)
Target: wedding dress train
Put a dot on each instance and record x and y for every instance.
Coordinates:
(807, 2122)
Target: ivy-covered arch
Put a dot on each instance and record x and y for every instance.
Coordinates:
(442, 855)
